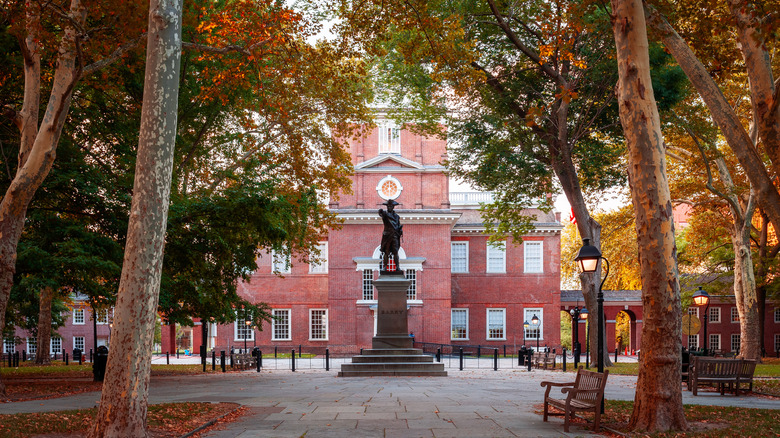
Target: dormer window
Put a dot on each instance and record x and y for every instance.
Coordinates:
(389, 139)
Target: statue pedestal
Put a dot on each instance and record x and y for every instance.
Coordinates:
(392, 353)
(392, 326)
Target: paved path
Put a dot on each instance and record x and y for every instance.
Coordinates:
(316, 403)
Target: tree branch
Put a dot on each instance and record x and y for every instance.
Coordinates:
(227, 49)
(116, 54)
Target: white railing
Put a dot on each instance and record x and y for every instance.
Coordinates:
(470, 198)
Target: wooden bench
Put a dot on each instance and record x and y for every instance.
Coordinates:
(721, 372)
(543, 360)
(244, 361)
(585, 394)
(746, 370)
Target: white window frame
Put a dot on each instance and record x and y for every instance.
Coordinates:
(529, 313)
(464, 311)
(9, 345)
(526, 246)
(52, 343)
(693, 342)
(319, 265)
(275, 324)
(734, 315)
(240, 329)
(735, 340)
(283, 266)
(715, 336)
(32, 346)
(367, 285)
(322, 314)
(103, 316)
(411, 291)
(83, 343)
(453, 245)
(777, 314)
(495, 310)
(714, 315)
(78, 317)
(492, 251)
(693, 310)
(777, 342)
(389, 138)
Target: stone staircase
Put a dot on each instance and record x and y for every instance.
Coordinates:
(409, 362)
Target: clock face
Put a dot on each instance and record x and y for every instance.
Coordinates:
(389, 188)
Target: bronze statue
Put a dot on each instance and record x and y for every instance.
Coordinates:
(391, 236)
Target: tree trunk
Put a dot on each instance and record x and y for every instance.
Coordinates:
(658, 400)
(758, 65)
(588, 228)
(44, 327)
(38, 147)
(745, 293)
(123, 404)
(722, 114)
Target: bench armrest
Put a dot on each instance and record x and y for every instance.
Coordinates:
(550, 385)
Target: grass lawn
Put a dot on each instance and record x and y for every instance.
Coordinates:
(164, 420)
(704, 421)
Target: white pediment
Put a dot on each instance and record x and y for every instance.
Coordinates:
(376, 163)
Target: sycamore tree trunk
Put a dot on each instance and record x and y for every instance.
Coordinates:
(44, 326)
(658, 400)
(744, 276)
(123, 404)
(722, 112)
(745, 293)
(38, 143)
(566, 172)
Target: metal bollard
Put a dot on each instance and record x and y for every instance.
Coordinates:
(259, 360)
(275, 350)
(10, 360)
(213, 360)
(16, 359)
(90, 355)
(327, 359)
(461, 359)
(479, 352)
(24, 355)
(66, 358)
(177, 353)
(300, 350)
(495, 359)
(222, 360)
(504, 351)
(438, 354)
(616, 353)
(292, 357)
(167, 358)
(529, 359)
(81, 358)
(564, 359)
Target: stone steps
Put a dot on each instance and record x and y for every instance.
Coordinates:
(392, 362)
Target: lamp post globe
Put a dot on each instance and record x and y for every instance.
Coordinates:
(525, 329)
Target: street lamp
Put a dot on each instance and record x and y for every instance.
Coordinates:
(588, 257)
(535, 325)
(577, 313)
(525, 328)
(248, 322)
(702, 298)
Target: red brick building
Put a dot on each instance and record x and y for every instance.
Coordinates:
(464, 291)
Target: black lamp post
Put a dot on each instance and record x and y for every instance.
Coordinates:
(702, 298)
(577, 313)
(535, 325)
(588, 258)
(248, 323)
